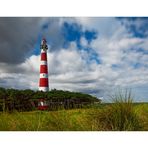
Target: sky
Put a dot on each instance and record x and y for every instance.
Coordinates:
(94, 55)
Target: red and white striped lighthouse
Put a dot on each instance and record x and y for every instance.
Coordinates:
(43, 82)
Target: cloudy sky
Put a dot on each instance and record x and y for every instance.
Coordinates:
(96, 55)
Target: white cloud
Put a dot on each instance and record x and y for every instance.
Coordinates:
(107, 27)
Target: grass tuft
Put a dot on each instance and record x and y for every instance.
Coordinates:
(120, 115)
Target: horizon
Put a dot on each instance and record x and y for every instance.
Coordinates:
(93, 55)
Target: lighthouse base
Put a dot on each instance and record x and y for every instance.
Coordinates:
(44, 89)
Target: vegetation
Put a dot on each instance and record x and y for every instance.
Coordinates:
(120, 115)
(63, 120)
(70, 120)
(27, 100)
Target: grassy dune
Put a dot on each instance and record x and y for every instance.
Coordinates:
(118, 116)
(63, 120)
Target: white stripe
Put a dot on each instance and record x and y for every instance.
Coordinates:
(43, 75)
(43, 62)
(45, 89)
(43, 51)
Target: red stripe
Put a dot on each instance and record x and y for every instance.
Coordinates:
(43, 57)
(43, 82)
(43, 69)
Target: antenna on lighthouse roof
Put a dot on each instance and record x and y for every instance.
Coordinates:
(44, 40)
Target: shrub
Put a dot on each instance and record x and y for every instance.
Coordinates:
(120, 115)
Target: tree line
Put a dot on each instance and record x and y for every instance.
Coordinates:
(27, 100)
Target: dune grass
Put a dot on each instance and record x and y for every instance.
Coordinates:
(65, 120)
(121, 115)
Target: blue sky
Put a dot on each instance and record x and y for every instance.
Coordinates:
(96, 55)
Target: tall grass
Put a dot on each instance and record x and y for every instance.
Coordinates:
(64, 120)
(120, 115)
(142, 111)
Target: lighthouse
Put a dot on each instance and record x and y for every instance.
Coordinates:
(43, 81)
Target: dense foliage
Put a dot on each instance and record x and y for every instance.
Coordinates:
(27, 100)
